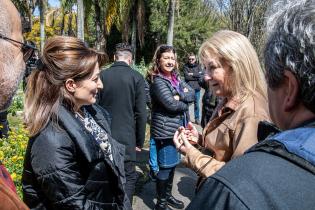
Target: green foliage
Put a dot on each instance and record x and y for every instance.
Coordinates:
(141, 68)
(17, 105)
(12, 151)
(195, 21)
(34, 34)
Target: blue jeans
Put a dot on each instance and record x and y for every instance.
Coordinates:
(167, 155)
(153, 163)
(196, 105)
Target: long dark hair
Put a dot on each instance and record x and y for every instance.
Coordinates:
(63, 58)
(155, 68)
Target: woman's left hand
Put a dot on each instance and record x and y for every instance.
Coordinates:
(180, 140)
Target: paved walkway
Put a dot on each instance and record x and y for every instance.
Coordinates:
(183, 186)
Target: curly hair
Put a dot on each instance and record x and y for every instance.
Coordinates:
(291, 46)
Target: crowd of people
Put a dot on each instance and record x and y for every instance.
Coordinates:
(86, 126)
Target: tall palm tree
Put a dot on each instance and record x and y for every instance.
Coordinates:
(26, 9)
(132, 16)
(67, 16)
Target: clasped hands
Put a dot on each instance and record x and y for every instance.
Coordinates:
(184, 138)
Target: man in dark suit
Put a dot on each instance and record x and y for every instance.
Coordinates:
(124, 97)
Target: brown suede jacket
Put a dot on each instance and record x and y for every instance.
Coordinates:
(231, 131)
(9, 200)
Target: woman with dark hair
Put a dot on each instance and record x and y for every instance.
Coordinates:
(71, 161)
(170, 98)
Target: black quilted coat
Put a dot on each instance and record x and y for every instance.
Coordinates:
(167, 112)
(65, 168)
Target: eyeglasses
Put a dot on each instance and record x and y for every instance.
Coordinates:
(27, 49)
(191, 59)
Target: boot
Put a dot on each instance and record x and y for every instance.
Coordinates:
(161, 203)
(173, 202)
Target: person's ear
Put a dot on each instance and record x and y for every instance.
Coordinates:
(291, 91)
(70, 85)
(130, 60)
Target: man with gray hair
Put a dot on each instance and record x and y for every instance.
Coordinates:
(123, 96)
(13, 54)
(278, 172)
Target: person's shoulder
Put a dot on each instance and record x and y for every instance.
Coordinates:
(137, 74)
(249, 170)
(51, 138)
(157, 80)
(254, 106)
(244, 165)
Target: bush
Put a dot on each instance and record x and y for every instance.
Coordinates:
(17, 105)
(12, 150)
(141, 68)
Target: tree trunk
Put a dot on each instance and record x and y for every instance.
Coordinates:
(97, 24)
(170, 31)
(42, 8)
(80, 20)
(62, 27)
(70, 30)
(134, 35)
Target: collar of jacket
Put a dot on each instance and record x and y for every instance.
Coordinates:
(120, 63)
(295, 145)
(84, 140)
(164, 78)
(192, 65)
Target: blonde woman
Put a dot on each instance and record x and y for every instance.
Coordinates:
(71, 161)
(234, 74)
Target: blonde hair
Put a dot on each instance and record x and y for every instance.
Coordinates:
(63, 58)
(246, 76)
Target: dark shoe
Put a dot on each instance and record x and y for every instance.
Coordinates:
(197, 122)
(173, 202)
(161, 203)
(162, 206)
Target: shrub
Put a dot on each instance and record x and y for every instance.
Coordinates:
(141, 68)
(12, 150)
(17, 105)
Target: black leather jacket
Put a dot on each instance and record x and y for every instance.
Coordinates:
(167, 112)
(65, 168)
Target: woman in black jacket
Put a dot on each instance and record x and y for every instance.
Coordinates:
(169, 97)
(71, 160)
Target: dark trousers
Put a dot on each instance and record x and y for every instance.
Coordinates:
(164, 173)
(131, 178)
(196, 105)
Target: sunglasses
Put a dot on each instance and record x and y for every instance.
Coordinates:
(166, 48)
(27, 49)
